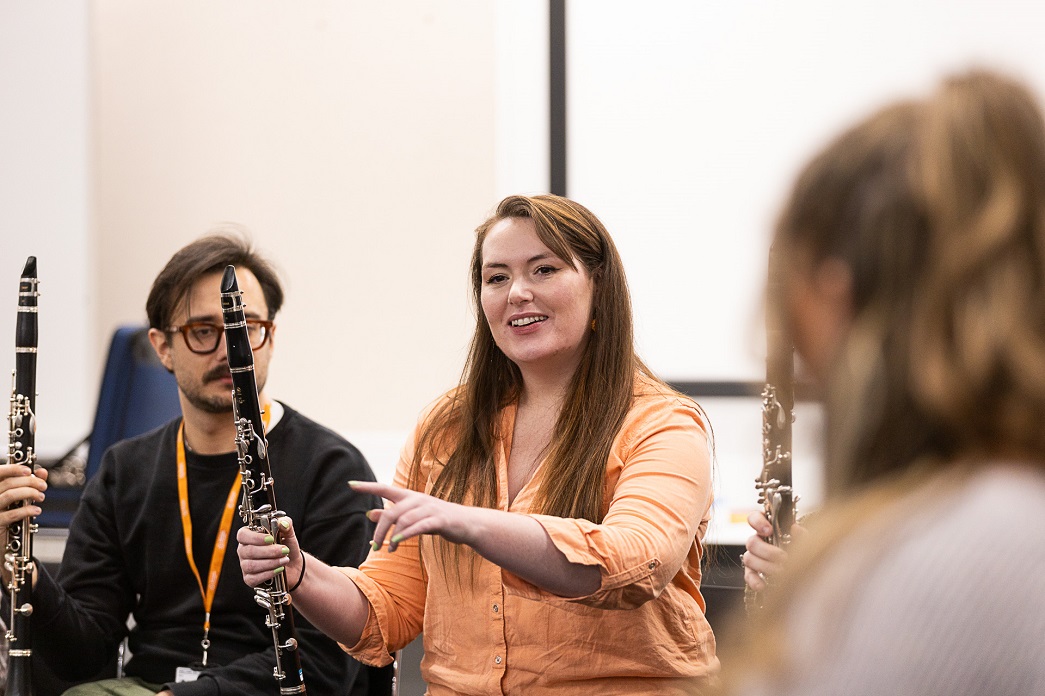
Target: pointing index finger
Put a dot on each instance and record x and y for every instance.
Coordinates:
(384, 490)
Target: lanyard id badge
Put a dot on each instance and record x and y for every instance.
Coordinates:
(221, 542)
(186, 674)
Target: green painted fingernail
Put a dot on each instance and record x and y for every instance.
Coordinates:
(284, 523)
(374, 545)
(397, 538)
(277, 571)
(286, 550)
(269, 539)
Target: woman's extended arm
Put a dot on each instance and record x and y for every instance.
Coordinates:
(517, 543)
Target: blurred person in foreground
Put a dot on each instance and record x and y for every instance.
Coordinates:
(915, 244)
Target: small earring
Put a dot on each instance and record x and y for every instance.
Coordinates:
(592, 324)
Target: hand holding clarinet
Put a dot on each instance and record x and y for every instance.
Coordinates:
(775, 523)
(258, 502)
(20, 489)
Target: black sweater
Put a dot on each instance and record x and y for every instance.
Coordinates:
(126, 554)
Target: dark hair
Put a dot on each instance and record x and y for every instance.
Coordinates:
(207, 255)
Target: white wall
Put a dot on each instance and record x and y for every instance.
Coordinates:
(521, 92)
(355, 139)
(45, 207)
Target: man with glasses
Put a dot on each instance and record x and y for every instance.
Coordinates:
(151, 536)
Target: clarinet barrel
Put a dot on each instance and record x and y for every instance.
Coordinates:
(18, 553)
(775, 493)
(778, 407)
(258, 507)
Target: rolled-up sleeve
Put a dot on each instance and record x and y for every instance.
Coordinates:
(395, 589)
(658, 505)
(395, 585)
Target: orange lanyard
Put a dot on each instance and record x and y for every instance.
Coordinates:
(221, 541)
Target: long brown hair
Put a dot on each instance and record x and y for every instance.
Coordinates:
(462, 432)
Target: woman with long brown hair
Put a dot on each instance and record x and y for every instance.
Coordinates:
(916, 244)
(546, 523)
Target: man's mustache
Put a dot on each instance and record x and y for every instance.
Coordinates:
(220, 372)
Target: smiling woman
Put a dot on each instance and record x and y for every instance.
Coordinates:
(546, 524)
(538, 306)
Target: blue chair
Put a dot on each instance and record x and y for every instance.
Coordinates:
(137, 394)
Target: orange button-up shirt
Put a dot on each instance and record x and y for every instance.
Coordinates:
(642, 632)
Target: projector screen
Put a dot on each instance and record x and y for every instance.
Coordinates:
(687, 122)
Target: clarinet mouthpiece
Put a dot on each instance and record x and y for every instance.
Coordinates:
(228, 280)
(30, 268)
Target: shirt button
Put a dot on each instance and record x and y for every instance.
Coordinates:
(652, 565)
(496, 608)
(497, 659)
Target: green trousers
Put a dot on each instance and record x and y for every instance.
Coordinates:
(127, 686)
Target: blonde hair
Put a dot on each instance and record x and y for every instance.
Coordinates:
(937, 207)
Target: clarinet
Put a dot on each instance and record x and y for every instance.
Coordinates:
(18, 554)
(258, 507)
(773, 484)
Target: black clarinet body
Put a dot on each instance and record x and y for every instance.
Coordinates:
(258, 507)
(18, 553)
(775, 492)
